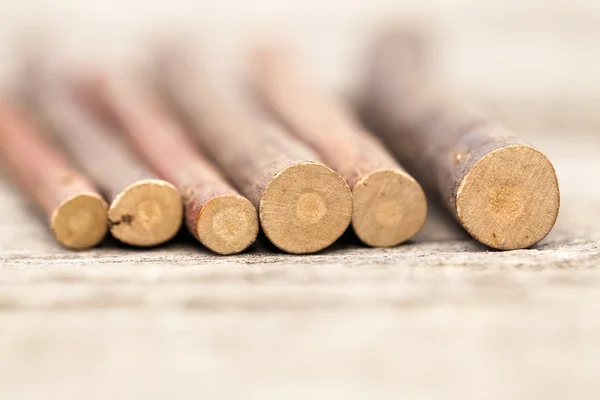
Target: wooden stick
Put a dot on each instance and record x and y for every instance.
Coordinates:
(215, 213)
(144, 210)
(503, 191)
(303, 206)
(389, 206)
(76, 212)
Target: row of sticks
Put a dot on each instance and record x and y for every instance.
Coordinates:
(295, 160)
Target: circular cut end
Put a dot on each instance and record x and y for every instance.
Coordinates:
(80, 222)
(509, 199)
(389, 207)
(146, 213)
(227, 224)
(305, 208)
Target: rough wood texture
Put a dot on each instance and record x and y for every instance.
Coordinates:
(215, 213)
(389, 206)
(76, 212)
(439, 317)
(303, 206)
(502, 191)
(144, 210)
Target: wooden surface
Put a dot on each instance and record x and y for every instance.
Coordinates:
(440, 318)
(74, 209)
(144, 210)
(437, 318)
(388, 205)
(303, 206)
(215, 213)
(502, 190)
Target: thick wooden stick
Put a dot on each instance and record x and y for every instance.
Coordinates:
(76, 212)
(389, 206)
(303, 206)
(144, 210)
(215, 213)
(503, 191)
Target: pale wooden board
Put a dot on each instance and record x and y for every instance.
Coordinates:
(437, 318)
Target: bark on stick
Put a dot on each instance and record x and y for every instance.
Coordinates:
(303, 206)
(215, 213)
(389, 206)
(144, 210)
(503, 191)
(76, 212)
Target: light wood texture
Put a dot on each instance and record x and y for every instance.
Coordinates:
(503, 191)
(76, 212)
(146, 213)
(509, 198)
(303, 206)
(439, 317)
(389, 206)
(144, 210)
(215, 213)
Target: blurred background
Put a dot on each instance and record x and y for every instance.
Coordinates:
(535, 65)
(538, 55)
(170, 322)
(532, 58)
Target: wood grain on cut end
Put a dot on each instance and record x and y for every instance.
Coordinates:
(146, 213)
(384, 211)
(305, 208)
(81, 221)
(76, 212)
(389, 207)
(510, 198)
(227, 224)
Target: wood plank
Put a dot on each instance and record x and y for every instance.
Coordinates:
(437, 318)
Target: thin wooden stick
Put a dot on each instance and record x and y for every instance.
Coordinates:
(76, 212)
(215, 213)
(303, 206)
(389, 206)
(144, 210)
(502, 190)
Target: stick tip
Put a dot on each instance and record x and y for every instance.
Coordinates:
(305, 208)
(80, 222)
(227, 224)
(146, 213)
(510, 198)
(389, 208)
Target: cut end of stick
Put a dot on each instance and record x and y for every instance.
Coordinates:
(305, 208)
(389, 208)
(81, 221)
(227, 224)
(510, 199)
(146, 213)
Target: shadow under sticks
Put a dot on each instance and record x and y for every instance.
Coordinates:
(439, 226)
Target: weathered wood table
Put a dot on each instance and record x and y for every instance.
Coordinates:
(439, 317)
